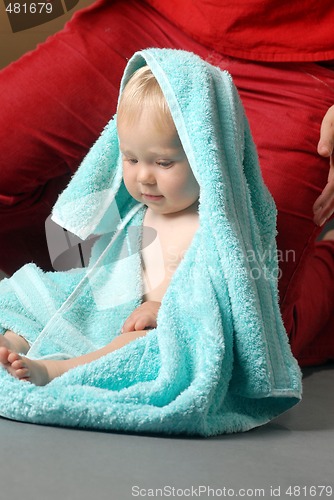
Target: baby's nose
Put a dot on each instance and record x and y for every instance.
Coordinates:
(145, 175)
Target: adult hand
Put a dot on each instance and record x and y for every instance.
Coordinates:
(323, 207)
(144, 317)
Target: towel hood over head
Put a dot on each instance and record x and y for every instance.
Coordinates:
(219, 359)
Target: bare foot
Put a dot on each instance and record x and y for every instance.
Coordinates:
(34, 371)
(14, 342)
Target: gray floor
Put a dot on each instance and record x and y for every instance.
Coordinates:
(297, 449)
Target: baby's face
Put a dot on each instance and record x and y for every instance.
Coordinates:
(156, 171)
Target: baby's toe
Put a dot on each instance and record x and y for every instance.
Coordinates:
(4, 353)
(17, 364)
(12, 357)
(22, 373)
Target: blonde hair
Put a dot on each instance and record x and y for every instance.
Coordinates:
(141, 92)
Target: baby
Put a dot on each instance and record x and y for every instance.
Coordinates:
(156, 172)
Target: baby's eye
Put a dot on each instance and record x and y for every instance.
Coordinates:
(165, 163)
(132, 161)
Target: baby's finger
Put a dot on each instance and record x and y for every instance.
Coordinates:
(143, 322)
(129, 324)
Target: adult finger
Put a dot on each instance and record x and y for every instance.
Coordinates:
(323, 207)
(326, 142)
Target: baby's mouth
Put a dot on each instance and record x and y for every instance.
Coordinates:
(152, 196)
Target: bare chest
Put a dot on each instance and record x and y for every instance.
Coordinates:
(164, 244)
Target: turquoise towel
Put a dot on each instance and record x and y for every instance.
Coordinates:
(219, 360)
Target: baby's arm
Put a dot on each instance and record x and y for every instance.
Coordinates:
(142, 318)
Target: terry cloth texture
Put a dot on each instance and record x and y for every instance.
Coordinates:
(219, 360)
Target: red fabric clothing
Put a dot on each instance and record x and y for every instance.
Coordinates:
(61, 95)
(260, 30)
(309, 313)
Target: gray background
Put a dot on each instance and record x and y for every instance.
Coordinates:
(296, 449)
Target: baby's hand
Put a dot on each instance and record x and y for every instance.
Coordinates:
(144, 317)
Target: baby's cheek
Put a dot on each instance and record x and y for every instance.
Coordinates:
(131, 186)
